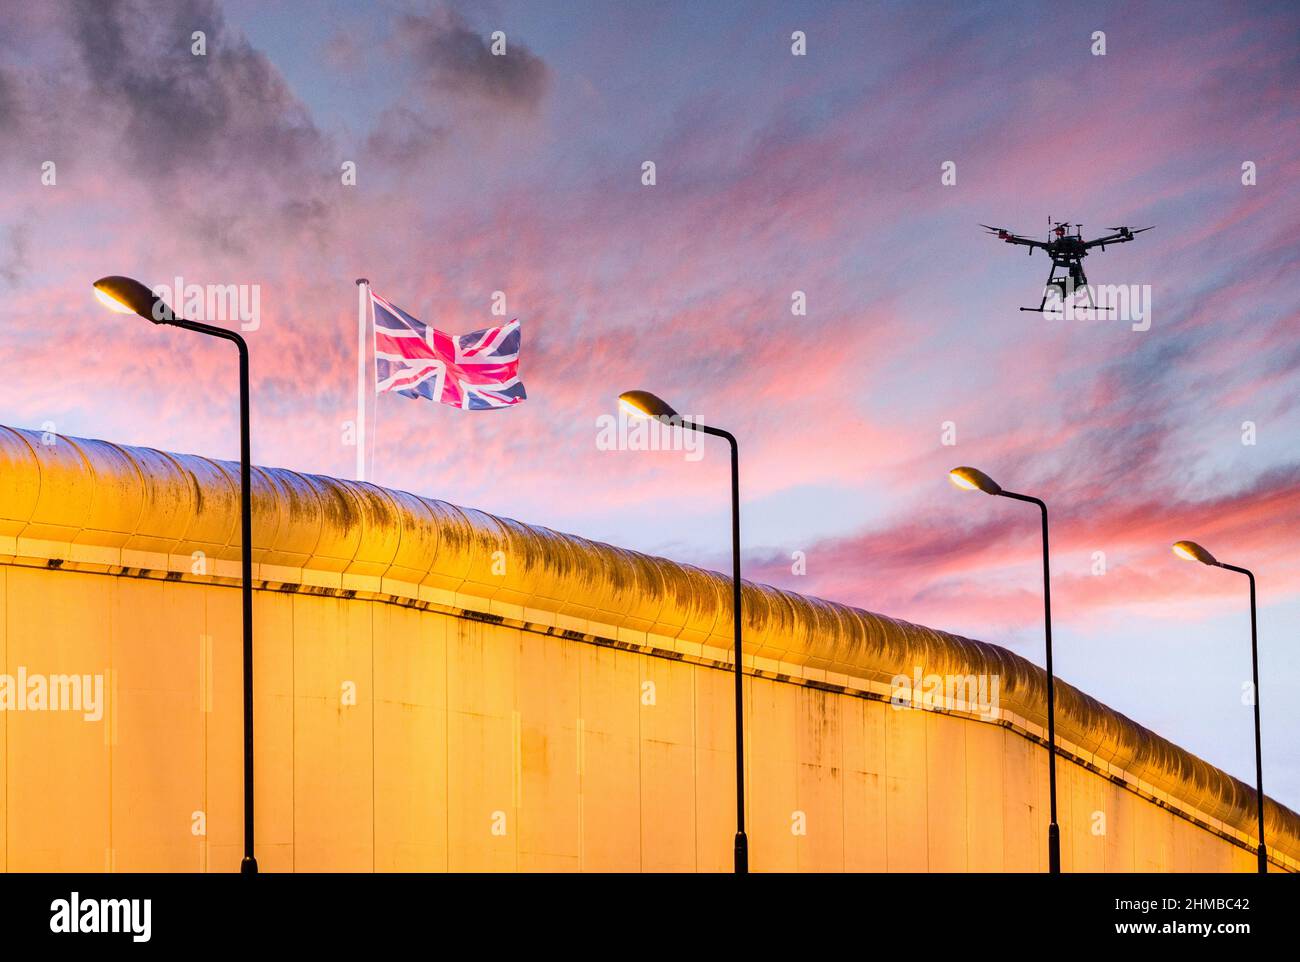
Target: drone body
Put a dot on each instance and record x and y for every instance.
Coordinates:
(1067, 252)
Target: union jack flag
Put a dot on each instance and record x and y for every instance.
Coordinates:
(474, 372)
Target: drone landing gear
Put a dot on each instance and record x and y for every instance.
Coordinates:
(1066, 284)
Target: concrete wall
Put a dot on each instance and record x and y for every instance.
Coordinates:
(573, 712)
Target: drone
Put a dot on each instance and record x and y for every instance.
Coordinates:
(1067, 252)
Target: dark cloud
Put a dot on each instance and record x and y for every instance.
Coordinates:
(14, 254)
(196, 129)
(230, 108)
(8, 102)
(460, 61)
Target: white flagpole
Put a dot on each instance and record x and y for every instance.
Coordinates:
(363, 302)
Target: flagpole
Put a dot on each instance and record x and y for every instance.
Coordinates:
(363, 297)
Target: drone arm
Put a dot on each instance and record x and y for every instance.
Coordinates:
(1024, 241)
(1108, 239)
(1121, 235)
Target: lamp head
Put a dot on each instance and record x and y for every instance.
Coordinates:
(643, 404)
(973, 479)
(1191, 551)
(126, 295)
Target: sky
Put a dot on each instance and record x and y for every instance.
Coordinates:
(775, 174)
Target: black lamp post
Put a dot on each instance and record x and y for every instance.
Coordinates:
(972, 479)
(1191, 551)
(645, 404)
(128, 296)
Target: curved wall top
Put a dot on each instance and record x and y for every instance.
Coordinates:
(94, 505)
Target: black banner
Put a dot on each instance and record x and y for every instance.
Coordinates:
(923, 912)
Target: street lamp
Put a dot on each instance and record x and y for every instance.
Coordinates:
(128, 296)
(1191, 551)
(972, 479)
(646, 405)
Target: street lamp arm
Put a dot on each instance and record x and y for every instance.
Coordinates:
(682, 422)
(719, 433)
(1030, 499)
(212, 330)
(1245, 571)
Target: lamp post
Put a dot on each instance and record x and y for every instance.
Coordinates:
(972, 479)
(1191, 551)
(645, 404)
(128, 296)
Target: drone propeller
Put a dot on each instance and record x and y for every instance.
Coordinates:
(1127, 234)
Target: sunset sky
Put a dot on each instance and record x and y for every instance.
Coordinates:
(775, 174)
